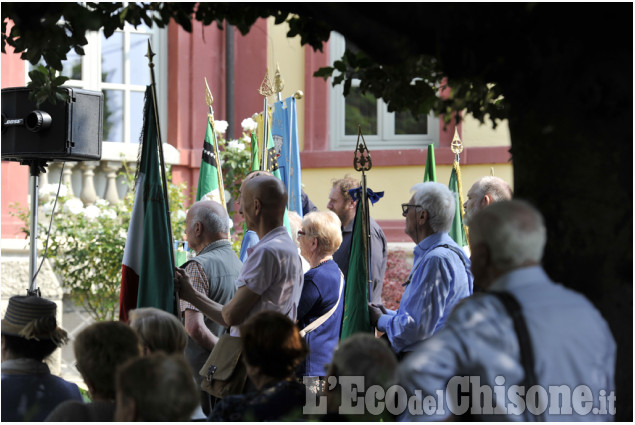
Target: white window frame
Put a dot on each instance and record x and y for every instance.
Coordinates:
(91, 80)
(385, 137)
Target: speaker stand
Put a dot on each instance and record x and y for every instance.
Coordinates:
(36, 167)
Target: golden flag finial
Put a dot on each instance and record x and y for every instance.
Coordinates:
(278, 83)
(209, 99)
(456, 145)
(265, 88)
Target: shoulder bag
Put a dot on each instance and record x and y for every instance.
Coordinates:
(224, 372)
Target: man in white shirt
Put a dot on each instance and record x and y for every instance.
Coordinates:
(477, 355)
(271, 278)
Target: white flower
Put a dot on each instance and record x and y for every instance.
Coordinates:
(47, 189)
(249, 125)
(214, 195)
(47, 208)
(63, 190)
(221, 126)
(180, 215)
(91, 212)
(108, 213)
(101, 202)
(74, 206)
(235, 144)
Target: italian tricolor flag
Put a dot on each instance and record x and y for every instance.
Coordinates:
(147, 276)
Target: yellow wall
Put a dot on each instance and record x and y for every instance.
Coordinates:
(289, 56)
(476, 134)
(394, 181)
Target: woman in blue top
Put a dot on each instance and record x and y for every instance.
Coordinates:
(320, 237)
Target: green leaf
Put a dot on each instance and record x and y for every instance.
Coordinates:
(38, 76)
(58, 81)
(324, 72)
(340, 66)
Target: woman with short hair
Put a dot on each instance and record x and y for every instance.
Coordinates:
(323, 290)
(158, 330)
(99, 349)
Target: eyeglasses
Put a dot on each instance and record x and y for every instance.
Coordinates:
(301, 233)
(406, 207)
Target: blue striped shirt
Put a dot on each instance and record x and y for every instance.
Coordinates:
(440, 277)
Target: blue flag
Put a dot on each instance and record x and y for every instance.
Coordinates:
(285, 135)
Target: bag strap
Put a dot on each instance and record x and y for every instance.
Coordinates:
(458, 252)
(316, 323)
(524, 340)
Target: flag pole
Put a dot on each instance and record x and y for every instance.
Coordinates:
(457, 147)
(278, 83)
(265, 90)
(362, 163)
(209, 99)
(150, 56)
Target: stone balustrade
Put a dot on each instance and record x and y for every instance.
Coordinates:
(93, 180)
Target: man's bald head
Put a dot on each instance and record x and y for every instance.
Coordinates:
(484, 192)
(270, 191)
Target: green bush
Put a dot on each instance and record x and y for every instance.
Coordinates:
(86, 244)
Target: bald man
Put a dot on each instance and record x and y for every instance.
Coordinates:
(213, 273)
(485, 191)
(271, 278)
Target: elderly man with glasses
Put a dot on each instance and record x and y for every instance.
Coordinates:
(440, 275)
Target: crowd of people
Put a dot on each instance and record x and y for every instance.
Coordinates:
(493, 317)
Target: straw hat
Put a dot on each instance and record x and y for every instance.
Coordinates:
(33, 317)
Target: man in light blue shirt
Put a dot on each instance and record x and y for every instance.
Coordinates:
(573, 349)
(440, 275)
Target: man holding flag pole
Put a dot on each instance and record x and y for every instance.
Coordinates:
(215, 268)
(440, 276)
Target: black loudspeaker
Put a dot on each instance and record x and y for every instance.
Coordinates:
(66, 131)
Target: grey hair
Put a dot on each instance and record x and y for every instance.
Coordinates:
(364, 355)
(514, 231)
(497, 188)
(212, 222)
(439, 201)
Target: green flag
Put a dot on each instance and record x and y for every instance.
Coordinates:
(208, 185)
(457, 231)
(255, 155)
(356, 295)
(430, 174)
(147, 278)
